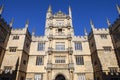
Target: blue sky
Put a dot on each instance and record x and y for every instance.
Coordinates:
(82, 12)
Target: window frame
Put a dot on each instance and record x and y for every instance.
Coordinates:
(60, 46)
(103, 36)
(7, 69)
(79, 60)
(39, 60)
(107, 49)
(60, 59)
(12, 49)
(41, 46)
(38, 74)
(78, 46)
(81, 76)
(16, 37)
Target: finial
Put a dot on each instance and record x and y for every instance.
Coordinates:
(108, 22)
(85, 32)
(70, 13)
(118, 8)
(11, 22)
(91, 23)
(26, 25)
(59, 11)
(1, 9)
(50, 9)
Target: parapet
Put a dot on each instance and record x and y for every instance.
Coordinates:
(80, 38)
(18, 31)
(101, 31)
(39, 38)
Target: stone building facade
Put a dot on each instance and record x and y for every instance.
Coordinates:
(59, 54)
(103, 55)
(115, 35)
(5, 30)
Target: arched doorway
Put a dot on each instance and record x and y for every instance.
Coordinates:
(60, 77)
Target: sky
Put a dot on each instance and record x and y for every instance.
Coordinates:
(82, 12)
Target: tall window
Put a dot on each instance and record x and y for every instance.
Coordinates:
(60, 59)
(12, 49)
(60, 46)
(107, 49)
(79, 60)
(38, 77)
(41, 46)
(81, 76)
(78, 46)
(103, 36)
(39, 60)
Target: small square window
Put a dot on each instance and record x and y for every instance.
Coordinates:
(103, 36)
(16, 37)
(107, 49)
(12, 49)
(59, 30)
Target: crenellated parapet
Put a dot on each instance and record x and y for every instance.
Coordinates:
(39, 38)
(19, 31)
(101, 31)
(80, 38)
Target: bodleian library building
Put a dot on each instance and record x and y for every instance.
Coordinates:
(59, 54)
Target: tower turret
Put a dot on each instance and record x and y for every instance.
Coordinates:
(11, 22)
(1, 9)
(49, 12)
(26, 24)
(70, 13)
(108, 22)
(92, 25)
(85, 32)
(33, 32)
(118, 9)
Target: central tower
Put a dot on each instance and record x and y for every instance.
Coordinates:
(59, 30)
(58, 23)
